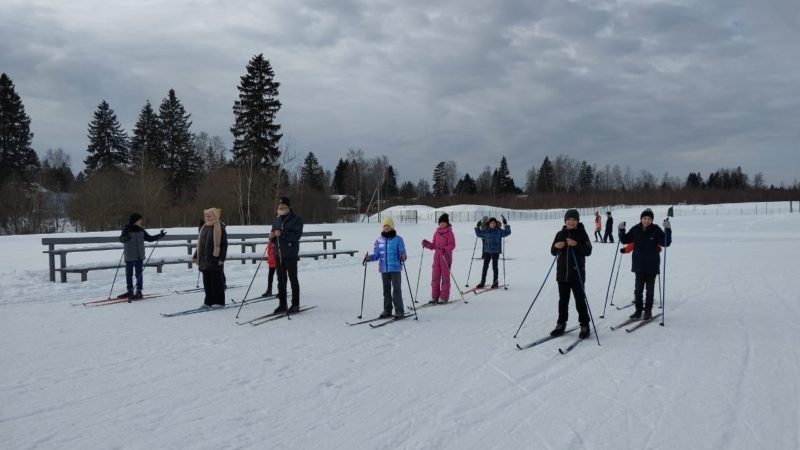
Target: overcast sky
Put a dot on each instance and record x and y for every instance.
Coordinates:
(674, 86)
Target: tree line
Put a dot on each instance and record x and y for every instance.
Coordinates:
(169, 173)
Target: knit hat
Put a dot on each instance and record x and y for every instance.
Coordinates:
(647, 212)
(134, 218)
(285, 201)
(388, 221)
(572, 214)
(444, 218)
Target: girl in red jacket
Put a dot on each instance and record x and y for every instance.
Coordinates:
(444, 242)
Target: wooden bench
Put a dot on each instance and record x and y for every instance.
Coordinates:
(244, 240)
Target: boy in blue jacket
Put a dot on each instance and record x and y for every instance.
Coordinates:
(647, 238)
(492, 237)
(390, 252)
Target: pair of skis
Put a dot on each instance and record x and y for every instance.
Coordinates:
(115, 300)
(203, 309)
(479, 291)
(273, 316)
(382, 321)
(199, 289)
(638, 323)
(549, 338)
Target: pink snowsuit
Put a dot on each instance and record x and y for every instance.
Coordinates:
(444, 242)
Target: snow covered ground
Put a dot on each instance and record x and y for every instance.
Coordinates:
(724, 371)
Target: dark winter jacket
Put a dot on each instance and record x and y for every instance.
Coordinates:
(609, 225)
(133, 236)
(493, 238)
(389, 250)
(566, 269)
(287, 245)
(205, 253)
(645, 258)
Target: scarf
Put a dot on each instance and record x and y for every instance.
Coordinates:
(214, 222)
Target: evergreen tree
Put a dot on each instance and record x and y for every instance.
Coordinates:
(146, 150)
(16, 154)
(440, 186)
(502, 182)
(407, 190)
(466, 186)
(311, 174)
(182, 164)
(108, 142)
(545, 182)
(211, 151)
(256, 135)
(56, 174)
(339, 183)
(390, 184)
(585, 177)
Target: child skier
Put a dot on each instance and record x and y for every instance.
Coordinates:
(609, 236)
(492, 237)
(390, 252)
(133, 237)
(597, 226)
(444, 242)
(572, 245)
(272, 263)
(645, 262)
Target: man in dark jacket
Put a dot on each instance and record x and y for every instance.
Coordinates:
(134, 236)
(609, 236)
(287, 229)
(572, 245)
(647, 237)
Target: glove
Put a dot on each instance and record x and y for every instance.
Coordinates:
(621, 226)
(425, 242)
(479, 225)
(505, 222)
(667, 225)
(622, 250)
(162, 234)
(402, 258)
(366, 258)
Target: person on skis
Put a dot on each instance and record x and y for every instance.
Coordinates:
(444, 242)
(572, 245)
(492, 237)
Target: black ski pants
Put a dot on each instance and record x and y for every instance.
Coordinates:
(564, 289)
(644, 280)
(287, 270)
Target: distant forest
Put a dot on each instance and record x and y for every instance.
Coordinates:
(169, 173)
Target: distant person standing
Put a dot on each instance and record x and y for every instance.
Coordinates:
(598, 225)
(133, 237)
(210, 254)
(609, 236)
(287, 229)
(492, 237)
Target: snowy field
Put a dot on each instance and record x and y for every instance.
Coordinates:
(724, 371)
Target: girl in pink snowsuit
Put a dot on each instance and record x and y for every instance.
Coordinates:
(444, 242)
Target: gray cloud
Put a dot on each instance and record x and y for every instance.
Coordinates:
(677, 87)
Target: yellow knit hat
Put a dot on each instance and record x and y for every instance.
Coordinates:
(388, 221)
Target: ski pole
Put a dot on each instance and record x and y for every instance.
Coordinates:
(664, 282)
(408, 280)
(660, 297)
(363, 289)
(608, 289)
(197, 283)
(119, 264)
(471, 259)
(505, 285)
(585, 298)
(615, 283)
(260, 261)
(455, 283)
(537, 294)
(419, 274)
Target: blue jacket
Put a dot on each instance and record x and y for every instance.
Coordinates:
(388, 250)
(645, 258)
(493, 238)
